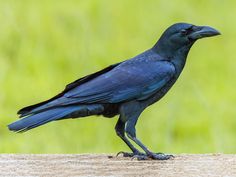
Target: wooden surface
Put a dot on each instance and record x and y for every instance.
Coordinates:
(103, 165)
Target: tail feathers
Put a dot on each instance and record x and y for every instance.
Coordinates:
(37, 108)
(41, 118)
(40, 106)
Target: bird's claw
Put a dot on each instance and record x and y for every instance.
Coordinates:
(140, 157)
(143, 156)
(125, 154)
(130, 154)
(160, 156)
(154, 156)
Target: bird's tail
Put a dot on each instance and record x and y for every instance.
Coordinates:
(44, 117)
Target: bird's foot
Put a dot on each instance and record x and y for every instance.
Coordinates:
(130, 154)
(160, 156)
(154, 156)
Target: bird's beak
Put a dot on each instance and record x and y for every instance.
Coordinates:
(203, 31)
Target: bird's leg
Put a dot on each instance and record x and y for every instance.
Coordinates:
(131, 132)
(120, 131)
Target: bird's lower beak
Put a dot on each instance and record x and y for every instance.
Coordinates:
(203, 31)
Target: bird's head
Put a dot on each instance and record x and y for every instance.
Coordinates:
(181, 36)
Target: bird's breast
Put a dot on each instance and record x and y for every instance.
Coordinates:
(160, 93)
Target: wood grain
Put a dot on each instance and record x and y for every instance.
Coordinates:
(184, 165)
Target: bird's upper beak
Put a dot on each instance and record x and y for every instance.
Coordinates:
(203, 31)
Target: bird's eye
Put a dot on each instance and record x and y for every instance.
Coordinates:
(187, 31)
(184, 32)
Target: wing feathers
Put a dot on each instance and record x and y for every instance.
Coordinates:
(112, 85)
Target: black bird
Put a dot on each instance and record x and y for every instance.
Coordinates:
(123, 89)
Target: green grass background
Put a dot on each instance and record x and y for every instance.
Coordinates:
(46, 44)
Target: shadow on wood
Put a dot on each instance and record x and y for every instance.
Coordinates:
(101, 165)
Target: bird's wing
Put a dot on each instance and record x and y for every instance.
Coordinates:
(123, 83)
(127, 81)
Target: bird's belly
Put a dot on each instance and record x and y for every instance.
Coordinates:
(110, 110)
(159, 94)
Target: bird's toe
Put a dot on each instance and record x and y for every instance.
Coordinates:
(140, 157)
(130, 154)
(160, 156)
(125, 154)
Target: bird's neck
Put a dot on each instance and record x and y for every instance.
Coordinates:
(176, 56)
(179, 59)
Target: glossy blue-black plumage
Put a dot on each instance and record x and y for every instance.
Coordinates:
(125, 88)
(134, 79)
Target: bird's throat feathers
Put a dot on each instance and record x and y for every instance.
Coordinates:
(177, 56)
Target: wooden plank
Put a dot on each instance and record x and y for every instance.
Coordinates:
(184, 165)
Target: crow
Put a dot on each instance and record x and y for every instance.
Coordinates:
(123, 89)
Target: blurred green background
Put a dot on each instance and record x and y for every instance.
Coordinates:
(44, 45)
